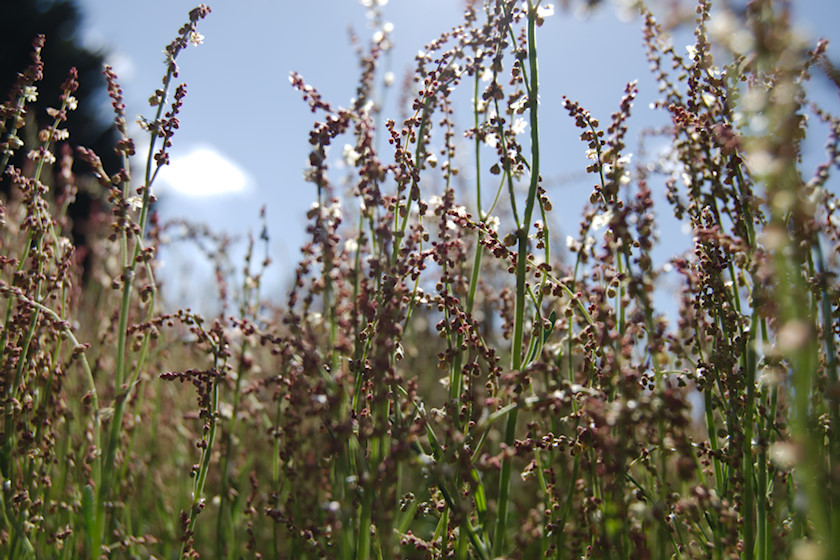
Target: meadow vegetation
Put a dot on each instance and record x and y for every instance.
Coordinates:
(445, 378)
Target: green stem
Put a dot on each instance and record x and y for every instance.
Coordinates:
(499, 536)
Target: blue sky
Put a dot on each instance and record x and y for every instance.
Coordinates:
(243, 137)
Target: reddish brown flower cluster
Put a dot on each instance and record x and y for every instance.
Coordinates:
(441, 381)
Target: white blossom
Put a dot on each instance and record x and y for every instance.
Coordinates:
(601, 220)
(135, 202)
(519, 105)
(350, 155)
(692, 51)
(30, 94)
(434, 203)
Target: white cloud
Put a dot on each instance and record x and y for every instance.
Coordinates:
(123, 66)
(203, 172)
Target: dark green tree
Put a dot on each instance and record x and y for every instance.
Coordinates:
(60, 22)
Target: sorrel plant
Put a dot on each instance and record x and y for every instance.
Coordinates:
(441, 380)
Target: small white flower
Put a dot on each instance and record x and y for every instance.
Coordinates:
(692, 51)
(135, 202)
(388, 27)
(30, 94)
(519, 105)
(334, 211)
(72, 103)
(664, 42)
(519, 126)
(61, 134)
(350, 155)
(388, 78)
(486, 75)
(64, 244)
(196, 38)
(457, 70)
(625, 177)
(491, 140)
(601, 220)
(351, 245)
(492, 223)
(545, 10)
